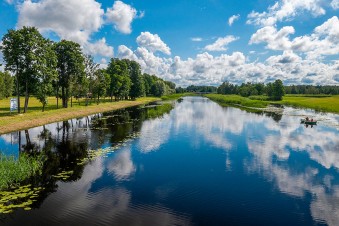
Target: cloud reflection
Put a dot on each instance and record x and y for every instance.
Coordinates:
(122, 165)
(271, 143)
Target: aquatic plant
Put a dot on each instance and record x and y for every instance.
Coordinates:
(15, 170)
(21, 197)
(159, 110)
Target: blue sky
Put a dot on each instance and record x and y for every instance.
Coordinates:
(203, 42)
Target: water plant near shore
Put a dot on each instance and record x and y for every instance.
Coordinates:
(13, 171)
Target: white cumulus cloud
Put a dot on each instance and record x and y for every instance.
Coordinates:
(323, 41)
(285, 10)
(232, 19)
(73, 20)
(99, 48)
(153, 43)
(221, 43)
(122, 16)
(335, 4)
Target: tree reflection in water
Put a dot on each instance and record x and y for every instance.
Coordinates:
(62, 144)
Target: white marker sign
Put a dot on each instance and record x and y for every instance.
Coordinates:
(14, 104)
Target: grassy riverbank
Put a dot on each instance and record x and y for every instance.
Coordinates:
(237, 100)
(176, 96)
(34, 116)
(316, 102)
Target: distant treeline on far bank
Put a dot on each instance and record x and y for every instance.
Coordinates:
(252, 89)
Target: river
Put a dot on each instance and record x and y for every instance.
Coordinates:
(195, 163)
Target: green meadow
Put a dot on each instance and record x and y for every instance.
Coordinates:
(316, 102)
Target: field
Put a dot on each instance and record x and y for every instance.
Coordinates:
(316, 102)
(35, 117)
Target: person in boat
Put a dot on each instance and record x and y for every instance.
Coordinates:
(311, 119)
(307, 119)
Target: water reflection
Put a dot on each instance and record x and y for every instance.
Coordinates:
(271, 140)
(122, 166)
(190, 165)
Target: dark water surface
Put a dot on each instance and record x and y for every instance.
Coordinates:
(196, 164)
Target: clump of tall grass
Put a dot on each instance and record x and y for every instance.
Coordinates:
(176, 96)
(15, 170)
(237, 100)
(159, 110)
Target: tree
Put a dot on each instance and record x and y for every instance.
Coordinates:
(70, 68)
(47, 74)
(278, 90)
(137, 86)
(12, 51)
(118, 71)
(2, 86)
(90, 69)
(100, 83)
(159, 88)
(24, 53)
(6, 84)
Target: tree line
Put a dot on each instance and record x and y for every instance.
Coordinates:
(45, 68)
(197, 89)
(275, 90)
(313, 90)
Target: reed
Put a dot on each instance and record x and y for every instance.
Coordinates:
(13, 170)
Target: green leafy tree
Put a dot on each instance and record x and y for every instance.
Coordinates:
(125, 87)
(70, 68)
(24, 53)
(90, 68)
(2, 86)
(118, 71)
(12, 51)
(137, 83)
(149, 82)
(159, 88)
(101, 83)
(6, 84)
(47, 74)
(278, 90)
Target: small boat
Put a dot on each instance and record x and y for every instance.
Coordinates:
(308, 122)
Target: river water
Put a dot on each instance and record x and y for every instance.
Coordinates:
(195, 163)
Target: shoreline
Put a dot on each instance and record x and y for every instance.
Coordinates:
(34, 119)
(325, 104)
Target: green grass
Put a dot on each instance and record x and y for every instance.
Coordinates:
(323, 103)
(176, 96)
(316, 102)
(237, 100)
(159, 110)
(34, 117)
(13, 171)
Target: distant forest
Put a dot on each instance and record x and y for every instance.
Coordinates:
(251, 89)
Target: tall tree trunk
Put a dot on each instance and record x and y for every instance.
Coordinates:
(98, 99)
(17, 89)
(66, 98)
(57, 96)
(26, 97)
(63, 96)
